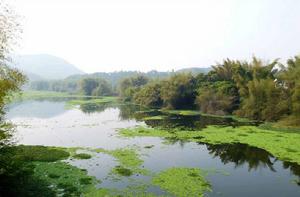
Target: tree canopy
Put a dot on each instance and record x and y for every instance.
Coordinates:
(259, 90)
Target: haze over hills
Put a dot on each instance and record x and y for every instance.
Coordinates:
(115, 77)
(195, 70)
(44, 66)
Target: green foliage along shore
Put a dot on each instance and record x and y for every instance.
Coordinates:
(256, 90)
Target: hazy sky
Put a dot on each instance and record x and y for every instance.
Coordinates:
(109, 35)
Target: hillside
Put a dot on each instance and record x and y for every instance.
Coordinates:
(44, 66)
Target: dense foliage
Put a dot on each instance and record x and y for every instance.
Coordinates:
(257, 90)
(179, 91)
(95, 87)
(129, 86)
(150, 95)
(72, 84)
(264, 91)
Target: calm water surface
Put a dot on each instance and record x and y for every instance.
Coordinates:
(239, 170)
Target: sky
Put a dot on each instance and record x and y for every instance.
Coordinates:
(112, 35)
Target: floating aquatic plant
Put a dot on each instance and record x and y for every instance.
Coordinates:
(182, 181)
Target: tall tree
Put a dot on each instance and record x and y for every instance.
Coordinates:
(179, 91)
(10, 79)
(87, 86)
(129, 86)
(289, 80)
(150, 95)
(259, 93)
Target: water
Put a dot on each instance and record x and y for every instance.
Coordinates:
(238, 170)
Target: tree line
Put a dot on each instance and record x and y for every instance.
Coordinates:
(264, 91)
(72, 84)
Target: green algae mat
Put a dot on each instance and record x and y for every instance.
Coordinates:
(283, 145)
(182, 181)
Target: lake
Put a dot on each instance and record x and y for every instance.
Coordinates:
(234, 169)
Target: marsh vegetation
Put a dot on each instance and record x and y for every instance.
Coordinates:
(232, 131)
(116, 148)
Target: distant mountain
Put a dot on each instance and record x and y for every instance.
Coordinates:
(33, 77)
(195, 70)
(44, 66)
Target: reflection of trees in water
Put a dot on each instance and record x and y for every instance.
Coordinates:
(36, 109)
(169, 121)
(175, 140)
(93, 107)
(191, 122)
(128, 111)
(241, 154)
(294, 168)
(174, 121)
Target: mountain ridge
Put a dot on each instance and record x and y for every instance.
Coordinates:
(44, 66)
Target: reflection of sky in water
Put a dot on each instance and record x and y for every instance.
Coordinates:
(72, 128)
(41, 109)
(252, 171)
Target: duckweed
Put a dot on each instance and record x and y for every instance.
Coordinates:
(182, 181)
(65, 179)
(128, 158)
(251, 135)
(40, 153)
(182, 112)
(122, 171)
(82, 156)
(154, 118)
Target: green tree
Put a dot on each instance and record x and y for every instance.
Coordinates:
(259, 92)
(103, 88)
(289, 80)
(10, 79)
(179, 91)
(10, 82)
(218, 97)
(88, 85)
(263, 101)
(217, 92)
(224, 71)
(129, 86)
(149, 95)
